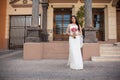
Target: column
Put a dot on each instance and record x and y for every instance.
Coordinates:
(89, 30)
(33, 31)
(44, 34)
(35, 13)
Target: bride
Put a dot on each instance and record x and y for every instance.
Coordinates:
(74, 31)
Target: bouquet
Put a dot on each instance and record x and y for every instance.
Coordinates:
(74, 30)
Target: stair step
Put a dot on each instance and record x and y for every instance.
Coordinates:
(109, 45)
(106, 58)
(110, 54)
(110, 48)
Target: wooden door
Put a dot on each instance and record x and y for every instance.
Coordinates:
(98, 23)
(118, 25)
(61, 21)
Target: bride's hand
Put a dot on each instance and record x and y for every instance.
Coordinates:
(74, 35)
(79, 33)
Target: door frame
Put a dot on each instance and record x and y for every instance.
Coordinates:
(100, 34)
(118, 27)
(60, 37)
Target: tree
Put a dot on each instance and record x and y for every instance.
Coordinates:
(80, 16)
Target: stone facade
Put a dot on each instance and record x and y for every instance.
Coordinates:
(109, 12)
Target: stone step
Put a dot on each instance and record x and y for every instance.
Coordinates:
(101, 52)
(110, 54)
(109, 48)
(106, 58)
(110, 45)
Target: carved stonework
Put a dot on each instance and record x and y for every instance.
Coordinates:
(90, 35)
(44, 1)
(13, 1)
(25, 1)
(22, 3)
(114, 2)
(33, 34)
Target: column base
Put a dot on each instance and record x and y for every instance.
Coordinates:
(90, 35)
(44, 37)
(32, 39)
(33, 34)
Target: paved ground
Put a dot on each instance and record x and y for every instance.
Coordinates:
(13, 67)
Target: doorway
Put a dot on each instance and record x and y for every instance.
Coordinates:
(62, 18)
(17, 31)
(118, 25)
(98, 23)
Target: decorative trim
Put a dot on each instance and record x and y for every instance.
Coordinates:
(21, 5)
(14, 1)
(51, 6)
(25, 1)
(114, 2)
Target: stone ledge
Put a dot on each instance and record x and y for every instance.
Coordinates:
(46, 50)
(57, 50)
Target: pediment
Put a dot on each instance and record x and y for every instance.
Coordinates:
(21, 3)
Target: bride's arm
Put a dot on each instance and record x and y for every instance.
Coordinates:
(67, 30)
(80, 32)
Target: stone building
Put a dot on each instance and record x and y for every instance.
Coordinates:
(54, 16)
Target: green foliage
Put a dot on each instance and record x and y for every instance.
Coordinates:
(80, 16)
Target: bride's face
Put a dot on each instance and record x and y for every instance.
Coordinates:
(73, 20)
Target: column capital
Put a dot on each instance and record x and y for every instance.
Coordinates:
(89, 28)
(45, 5)
(45, 1)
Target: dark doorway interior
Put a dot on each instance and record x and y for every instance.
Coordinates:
(118, 25)
(98, 23)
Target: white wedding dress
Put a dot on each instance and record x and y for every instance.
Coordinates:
(75, 44)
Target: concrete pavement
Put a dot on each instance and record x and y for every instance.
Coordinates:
(13, 67)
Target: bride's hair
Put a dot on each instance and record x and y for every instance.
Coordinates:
(75, 21)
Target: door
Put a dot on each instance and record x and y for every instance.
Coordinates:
(17, 31)
(98, 23)
(118, 25)
(61, 20)
(17, 25)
